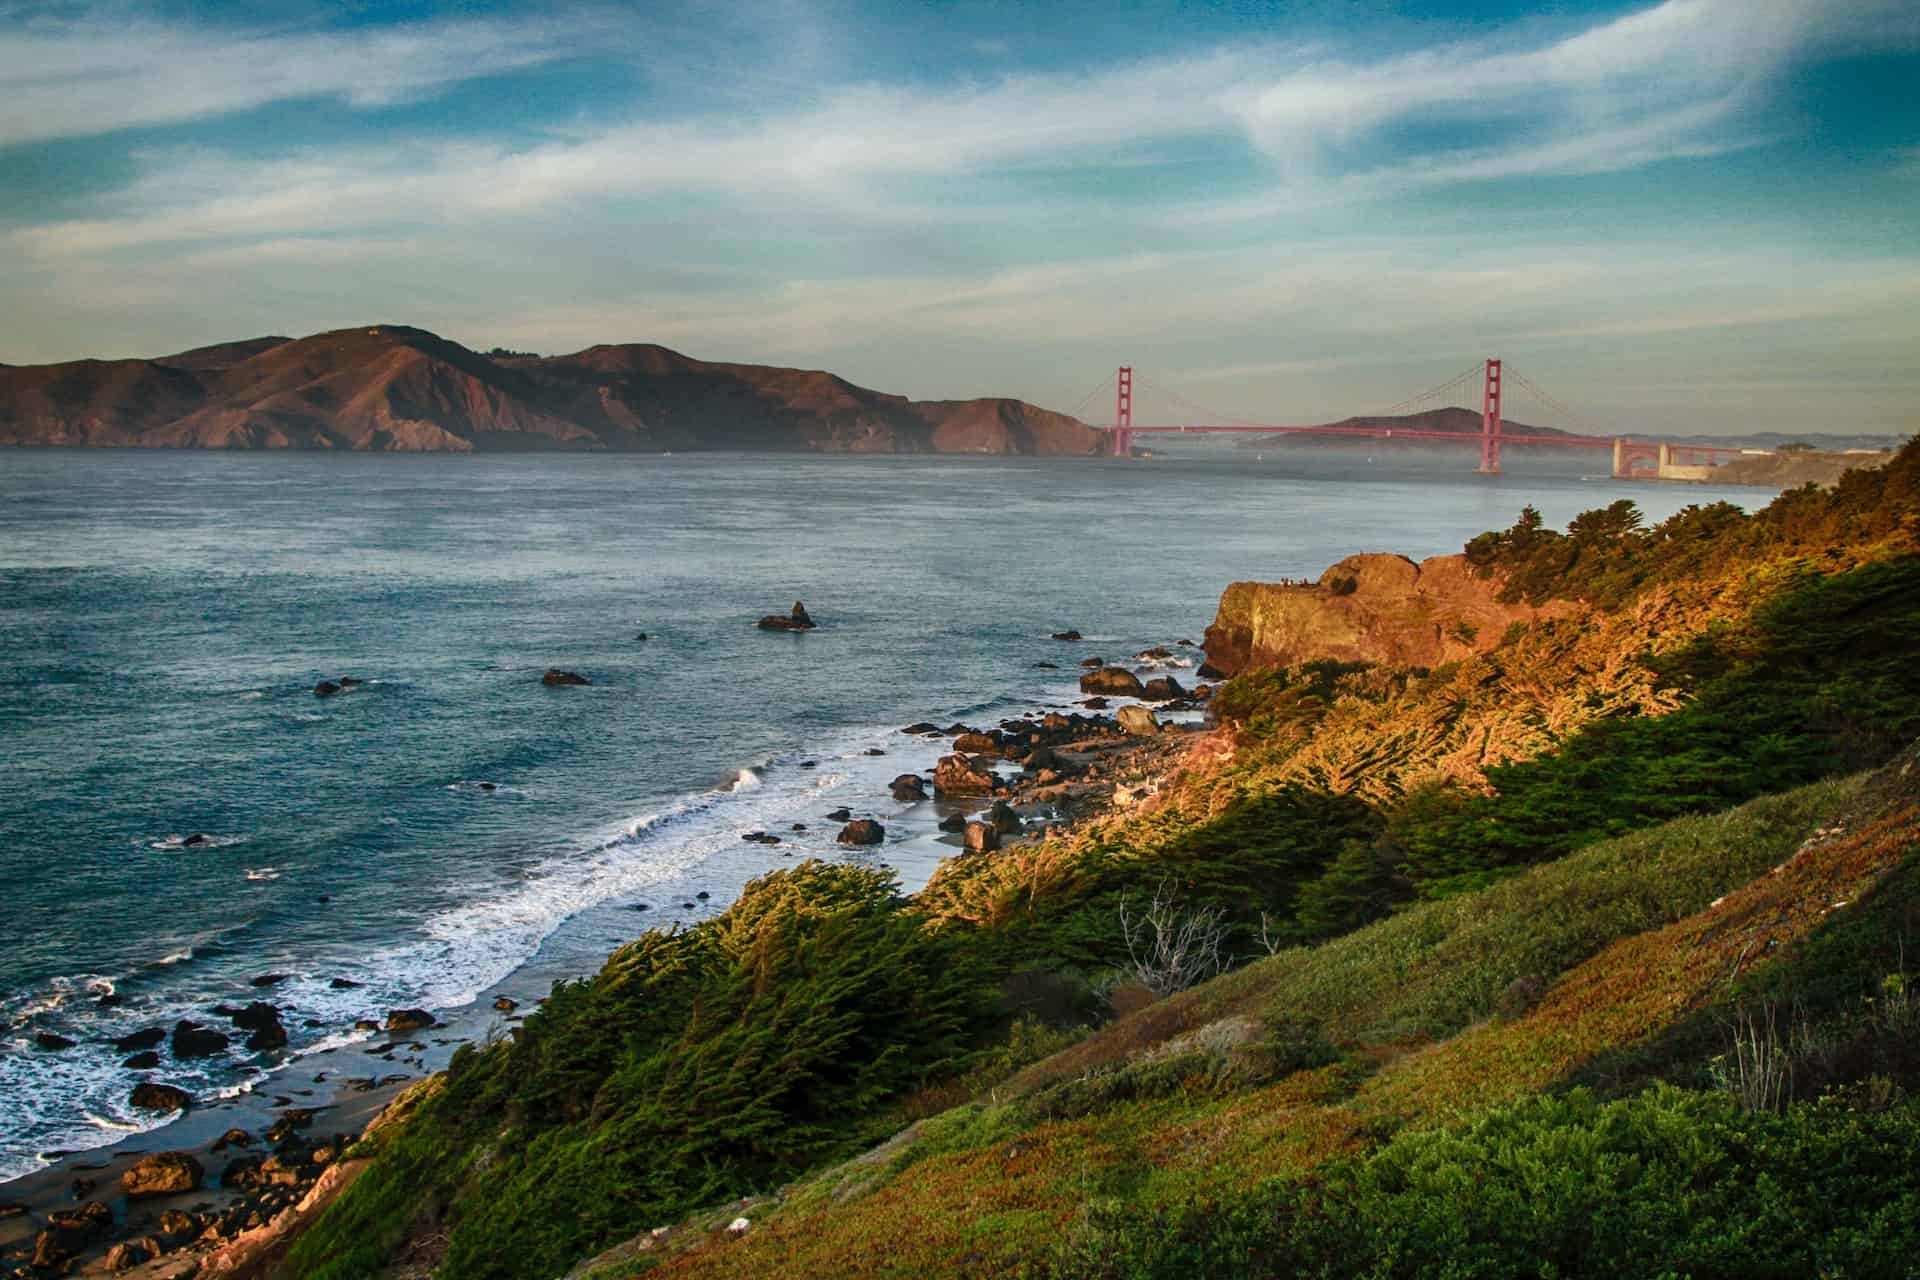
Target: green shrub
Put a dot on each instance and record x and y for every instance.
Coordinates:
(1667, 1183)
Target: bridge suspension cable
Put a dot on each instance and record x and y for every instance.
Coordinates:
(1204, 414)
(1466, 378)
(1104, 385)
(1585, 426)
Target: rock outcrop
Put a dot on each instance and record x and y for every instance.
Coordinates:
(1366, 608)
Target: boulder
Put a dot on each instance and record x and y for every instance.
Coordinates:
(145, 1060)
(1002, 818)
(148, 1039)
(191, 1040)
(922, 729)
(980, 744)
(862, 831)
(325, 689)
(178, 1224)
(1094, 704)
(195, 840)
(909, 787)
(268, 979)
(1113, 680)
(263, 1020)
(164, 1173)
(127, 1255)
(231, 1138)
(1137, 720)
(55, 1245)
(1093, 662)
(955, 822)
(50, 1042)
(980, 837)
(505, 1004)
(840, 815)
(1162, 689)
(1158, 653)
(956, 775)
(1208, 671)
(555, 676)
(1066, 635)
(408, 1019)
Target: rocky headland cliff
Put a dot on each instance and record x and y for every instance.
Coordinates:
(1365, 608)
(392, 388)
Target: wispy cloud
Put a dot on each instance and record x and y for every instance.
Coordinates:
(1671, 81)
(64, 78)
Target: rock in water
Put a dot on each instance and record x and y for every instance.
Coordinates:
(1137, 720)
(1066, 635)
(1163, 689)
(165, 1173)
(862, 831)
(1114, 680)
(325, 689)
(958, 776)
(953, 822)
(160, 1097)
(191, 1040)
(555, 676)
(50, 1042)
(1002, 818)
(408, 1019)
(909, 787)
(798, 620)
(981, 837)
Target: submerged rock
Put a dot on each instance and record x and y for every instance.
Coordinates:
(556, 677)
(909, 787)
(1066, 635)
(862, 831)
(51, 1042)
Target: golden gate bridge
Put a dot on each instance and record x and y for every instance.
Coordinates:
(1632, 459)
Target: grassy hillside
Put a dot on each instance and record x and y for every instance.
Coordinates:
(1471, 891)
(1380, 1102)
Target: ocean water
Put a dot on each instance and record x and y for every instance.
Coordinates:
(453, 825)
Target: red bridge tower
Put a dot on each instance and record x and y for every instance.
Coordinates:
(1490, 422)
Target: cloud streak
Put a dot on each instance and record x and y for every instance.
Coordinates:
(106, 72)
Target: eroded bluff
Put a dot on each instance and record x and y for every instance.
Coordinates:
(1365, 608)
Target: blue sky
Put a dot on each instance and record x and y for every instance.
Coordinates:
(1693, 214)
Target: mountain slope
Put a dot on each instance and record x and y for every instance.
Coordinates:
(1454, 420)
(395, 388)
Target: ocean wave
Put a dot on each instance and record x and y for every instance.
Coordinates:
(263, 873)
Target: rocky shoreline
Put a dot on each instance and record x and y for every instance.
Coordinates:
(211, 1191)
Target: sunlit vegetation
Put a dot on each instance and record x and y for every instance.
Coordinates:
(1510, 947)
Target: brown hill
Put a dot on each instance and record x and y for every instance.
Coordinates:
(391, 387)
(221, 354)
(1453, 419)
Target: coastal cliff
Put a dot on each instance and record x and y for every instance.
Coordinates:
(393, 388)
(1365, 608)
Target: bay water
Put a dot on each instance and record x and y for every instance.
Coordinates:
(452, 827)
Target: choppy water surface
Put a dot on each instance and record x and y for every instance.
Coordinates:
(164, 617)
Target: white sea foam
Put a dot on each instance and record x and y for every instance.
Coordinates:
(263, 873)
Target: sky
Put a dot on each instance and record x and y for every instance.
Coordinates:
(1698, 215)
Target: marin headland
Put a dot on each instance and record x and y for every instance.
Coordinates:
(848, 639)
